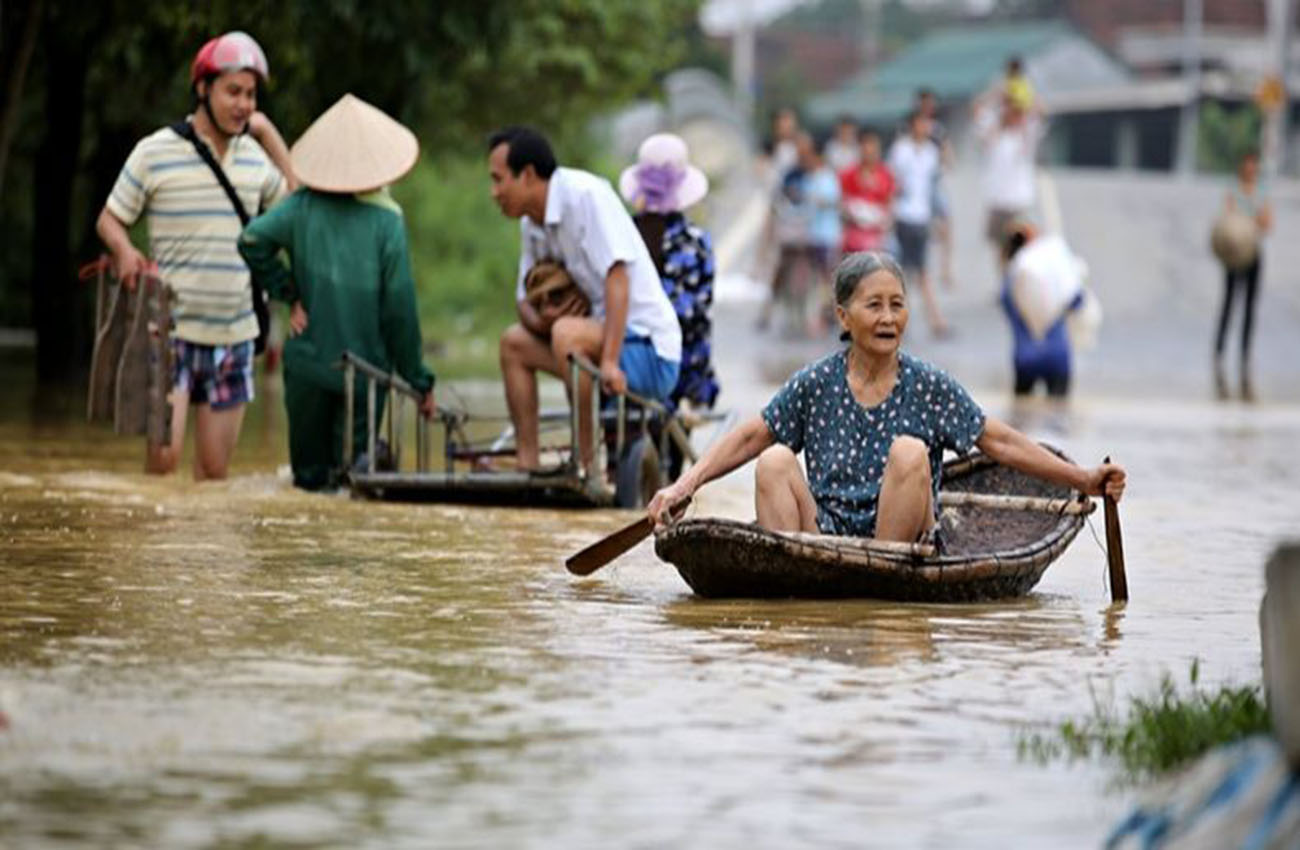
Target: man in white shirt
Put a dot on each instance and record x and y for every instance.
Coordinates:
(914, 161)
(1010, 137)
(928, 103)
(842, 149)
(632, 333)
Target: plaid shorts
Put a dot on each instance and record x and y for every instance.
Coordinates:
(218, 375)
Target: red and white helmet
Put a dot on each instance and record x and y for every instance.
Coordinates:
(234, 51)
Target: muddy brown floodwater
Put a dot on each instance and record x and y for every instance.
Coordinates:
(239, 664)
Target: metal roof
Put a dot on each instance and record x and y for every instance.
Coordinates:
(956, 63)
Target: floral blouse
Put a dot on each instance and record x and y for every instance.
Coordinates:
(687, 278)
(846, 444)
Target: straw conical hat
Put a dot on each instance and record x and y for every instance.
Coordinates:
(353, 147)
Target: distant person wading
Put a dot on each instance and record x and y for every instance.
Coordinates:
(1247, 217)
(914, 160)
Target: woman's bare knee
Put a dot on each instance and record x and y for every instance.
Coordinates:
(908, 456)
(782, 498)
(776, 463)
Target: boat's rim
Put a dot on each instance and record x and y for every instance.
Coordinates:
(860, 546)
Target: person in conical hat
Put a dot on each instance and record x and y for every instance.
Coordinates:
(193, 226)
(348, 280)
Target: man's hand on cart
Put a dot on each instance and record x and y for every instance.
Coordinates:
(297, 319)
(612, 379)
(428, 407)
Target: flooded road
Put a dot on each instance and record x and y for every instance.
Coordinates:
(240, 664)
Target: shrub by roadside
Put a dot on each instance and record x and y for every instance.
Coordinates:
(1160, 732)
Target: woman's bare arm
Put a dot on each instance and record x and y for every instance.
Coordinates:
(739, 446)
(1011, 448)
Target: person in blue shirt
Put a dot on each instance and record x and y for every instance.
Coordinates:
(1046, 359)
(872, 423)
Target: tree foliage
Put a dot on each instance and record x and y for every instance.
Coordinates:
(1226, 134)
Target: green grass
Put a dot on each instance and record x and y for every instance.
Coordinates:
(1159, 732)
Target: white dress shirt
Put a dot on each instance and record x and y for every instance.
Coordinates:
(588, 229)
(916, 167)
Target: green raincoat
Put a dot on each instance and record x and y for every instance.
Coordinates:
(348, 264)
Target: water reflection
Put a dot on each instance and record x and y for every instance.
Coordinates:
(1113, 617)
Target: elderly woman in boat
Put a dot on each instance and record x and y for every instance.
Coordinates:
(873, 423)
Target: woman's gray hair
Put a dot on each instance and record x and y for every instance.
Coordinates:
(853, 268)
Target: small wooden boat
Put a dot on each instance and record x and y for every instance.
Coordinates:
(999, 530)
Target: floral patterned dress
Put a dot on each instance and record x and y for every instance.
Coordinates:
(846, 445)
(687, 277)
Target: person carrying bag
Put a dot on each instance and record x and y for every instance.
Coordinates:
(218, 318)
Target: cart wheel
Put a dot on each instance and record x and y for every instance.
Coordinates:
(639, 477)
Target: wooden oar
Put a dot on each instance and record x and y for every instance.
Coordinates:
(1114, 549)
(606, 549)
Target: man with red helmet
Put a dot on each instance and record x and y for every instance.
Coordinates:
(172, 179)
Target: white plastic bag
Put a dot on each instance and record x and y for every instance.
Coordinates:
(1046, 277)
(1084, 324)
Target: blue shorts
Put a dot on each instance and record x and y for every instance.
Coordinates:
(216, 375)
(647, 373)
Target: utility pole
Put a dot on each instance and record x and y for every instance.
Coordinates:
(1276, 103)
(1190, 119)
(871, 19)
(742, 62)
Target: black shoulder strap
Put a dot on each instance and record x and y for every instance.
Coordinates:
(185, 130)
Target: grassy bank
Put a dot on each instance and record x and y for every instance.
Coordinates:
(1159, 732)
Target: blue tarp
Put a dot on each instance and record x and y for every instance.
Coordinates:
(1244, 795)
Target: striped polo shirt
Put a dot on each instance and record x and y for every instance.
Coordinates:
(193, 228)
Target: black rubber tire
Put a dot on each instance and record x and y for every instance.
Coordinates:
(639, 476)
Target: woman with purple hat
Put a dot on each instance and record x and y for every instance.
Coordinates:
(659, 186)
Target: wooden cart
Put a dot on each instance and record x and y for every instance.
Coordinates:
(633, 447)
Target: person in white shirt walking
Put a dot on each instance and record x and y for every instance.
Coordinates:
(914, 161)
(1009, 136)
(842, 149)
(575, 218)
